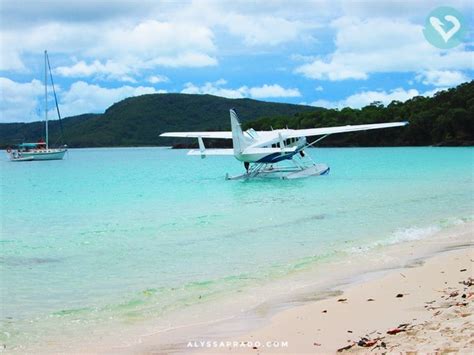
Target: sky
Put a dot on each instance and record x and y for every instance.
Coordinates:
(323, 53)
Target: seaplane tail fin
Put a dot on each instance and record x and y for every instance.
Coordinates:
(238, 139)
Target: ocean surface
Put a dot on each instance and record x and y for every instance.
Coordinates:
(127, 235)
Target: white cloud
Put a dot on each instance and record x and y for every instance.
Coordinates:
(10, 60)
(431, 93)
(125, 68)
(152, 38)
(20, 101)
(113, 51)
(273, 91)
(83, 97)
(155, 79)
(257, 23)
(442, 77)
(258, 92)
(130, 38)
(188, 59)
(381, 45)
(59, 38)
(215, 88)
(332, 70)
(23, 102)
(109, 70)
(365, 98)
(90, 40)
(322, 103)
(263, 30)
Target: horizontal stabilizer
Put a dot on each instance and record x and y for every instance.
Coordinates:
(215, 135)
(212, 152)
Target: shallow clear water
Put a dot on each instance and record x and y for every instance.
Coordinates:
(134, 233)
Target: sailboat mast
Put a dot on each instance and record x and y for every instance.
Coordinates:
(46, 97)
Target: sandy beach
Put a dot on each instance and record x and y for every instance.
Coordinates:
(426, 308)
(423, 305)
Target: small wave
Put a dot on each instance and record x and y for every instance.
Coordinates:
(413, 233)
(417, 233)
(452, 222)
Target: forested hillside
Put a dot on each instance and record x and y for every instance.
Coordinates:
(445, 119)
(138, 121)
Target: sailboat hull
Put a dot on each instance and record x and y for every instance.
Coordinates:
(50, 154)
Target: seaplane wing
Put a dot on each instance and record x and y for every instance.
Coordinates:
(340, 129)
(210, 134)
(290, 133)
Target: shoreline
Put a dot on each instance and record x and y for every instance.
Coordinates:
(399, 258)
(244, 315)
(403, 311)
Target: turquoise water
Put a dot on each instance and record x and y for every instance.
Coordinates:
(129, 234)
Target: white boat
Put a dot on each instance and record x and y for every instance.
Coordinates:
(41, 149)
(36, 151)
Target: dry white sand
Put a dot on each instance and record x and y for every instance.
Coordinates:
(432, 313)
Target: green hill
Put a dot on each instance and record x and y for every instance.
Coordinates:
(445, 119)
(138, 121)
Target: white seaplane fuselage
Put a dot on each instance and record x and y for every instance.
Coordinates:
(265, 148)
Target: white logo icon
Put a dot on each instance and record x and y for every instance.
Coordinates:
(438, 26)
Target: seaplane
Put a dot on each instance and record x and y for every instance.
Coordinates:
(264, 152)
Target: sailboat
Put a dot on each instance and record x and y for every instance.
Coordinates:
(41, 149)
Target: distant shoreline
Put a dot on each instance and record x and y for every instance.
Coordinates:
(444, 119)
